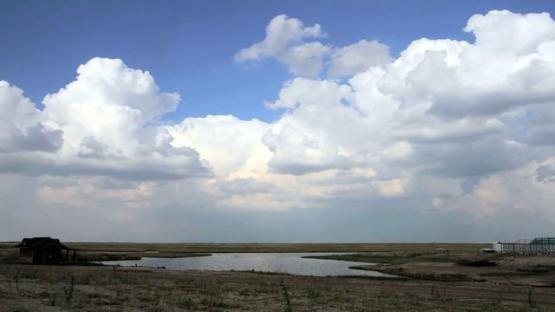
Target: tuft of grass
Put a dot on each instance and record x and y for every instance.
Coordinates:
(52, 299)
(477, 262)
(536, 269)
(186, 303)
(312, 294)
(288, 307)
(98, 256)
(68, 291)
(368, 258)
(395, 258)
(83, 257)
(212, 302)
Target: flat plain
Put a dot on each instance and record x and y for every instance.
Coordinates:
(435, 277)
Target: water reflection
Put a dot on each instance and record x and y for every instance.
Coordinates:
(291, 263)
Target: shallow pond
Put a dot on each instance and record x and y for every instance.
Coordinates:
(291, 263)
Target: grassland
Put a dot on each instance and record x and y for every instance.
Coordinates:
(438, 277)
(32, 288)
(266, 247)
(134, 251)
(449, 266)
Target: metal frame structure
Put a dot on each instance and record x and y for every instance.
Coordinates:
(536, 246)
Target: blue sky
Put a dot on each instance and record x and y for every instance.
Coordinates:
(298, 120)
(188, 46)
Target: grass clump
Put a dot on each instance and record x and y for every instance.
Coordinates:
(480, 262)
(368, 258)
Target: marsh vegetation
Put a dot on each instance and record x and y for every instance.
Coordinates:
(513, 284)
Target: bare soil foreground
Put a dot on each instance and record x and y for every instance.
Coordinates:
(447, 278)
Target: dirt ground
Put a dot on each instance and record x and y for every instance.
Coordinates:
(82, 288)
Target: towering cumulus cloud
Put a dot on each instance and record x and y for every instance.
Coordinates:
(22, 126)
(100, 124)
(451, 129)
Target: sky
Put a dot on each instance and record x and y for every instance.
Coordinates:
(277, 121)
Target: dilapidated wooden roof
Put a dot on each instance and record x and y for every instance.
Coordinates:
(37, 243)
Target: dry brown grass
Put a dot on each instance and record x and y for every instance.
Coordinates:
(266, 247)
(437, 283)
(44, 288)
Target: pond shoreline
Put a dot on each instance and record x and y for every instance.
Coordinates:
(271, 263)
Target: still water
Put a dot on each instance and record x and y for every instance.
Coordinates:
(291, 263)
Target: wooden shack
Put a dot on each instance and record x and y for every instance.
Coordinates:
(45, 250)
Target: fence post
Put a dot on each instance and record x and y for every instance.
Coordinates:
(531, 297)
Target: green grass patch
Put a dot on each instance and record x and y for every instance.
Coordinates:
(277, 247)
(367, 258)
(396, 258)
(114, 256)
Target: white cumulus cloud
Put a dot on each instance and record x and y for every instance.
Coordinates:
(358, 57)
(285, 41)
(103, 123)
(448, 127)
(22, 126)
